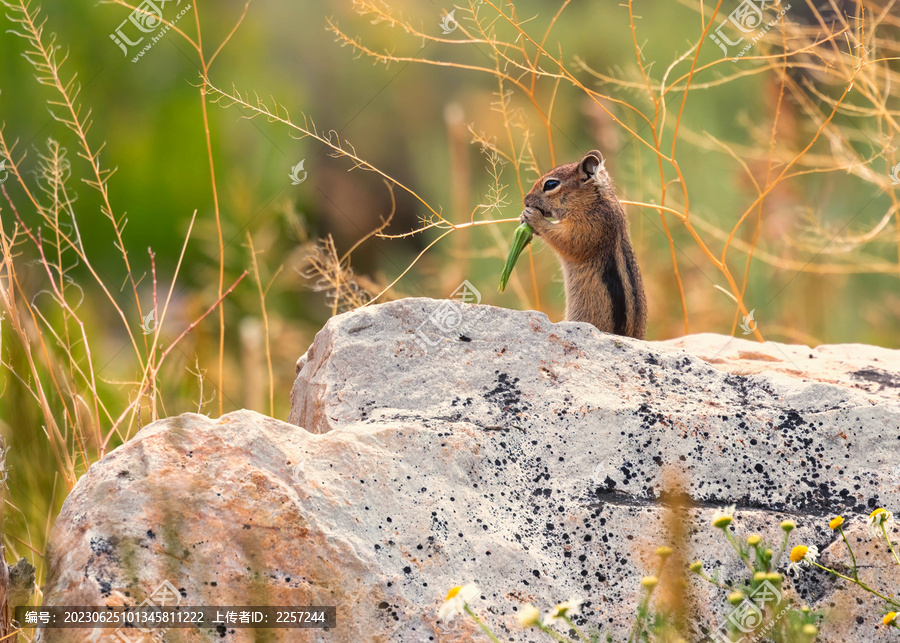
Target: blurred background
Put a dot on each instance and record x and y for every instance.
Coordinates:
(824, 240)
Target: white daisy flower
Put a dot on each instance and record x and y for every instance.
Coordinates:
(456, 601)
(878, 518)
(529, 616)
(569, 609)
(802, 555)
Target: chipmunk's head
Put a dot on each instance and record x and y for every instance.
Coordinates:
(571, 188)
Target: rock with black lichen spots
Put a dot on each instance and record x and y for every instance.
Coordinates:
(528, 457)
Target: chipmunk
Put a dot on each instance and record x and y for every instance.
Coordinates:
(590, 235)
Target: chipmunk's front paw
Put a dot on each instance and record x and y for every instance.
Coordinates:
(535, 219)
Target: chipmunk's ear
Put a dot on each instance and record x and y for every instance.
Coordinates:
(590, 165)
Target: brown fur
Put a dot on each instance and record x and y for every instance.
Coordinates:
(590, 235)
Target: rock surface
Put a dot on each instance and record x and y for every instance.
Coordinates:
(446, 445)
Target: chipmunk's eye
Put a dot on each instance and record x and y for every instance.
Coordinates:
(550, 184)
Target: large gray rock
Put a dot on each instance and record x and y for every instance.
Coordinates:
(446, 445)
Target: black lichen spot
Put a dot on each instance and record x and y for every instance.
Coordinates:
(507, 395)
(878, 376)
(790, 420)
(101, 545)
(608, 487)
(649, 418)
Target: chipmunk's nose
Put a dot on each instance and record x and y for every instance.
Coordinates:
(534, 208)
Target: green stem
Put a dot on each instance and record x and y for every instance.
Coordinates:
(556, 635)
(857, 582)
(890, 544)
(710, 580)
(759, 555)
(850, 549)
(481, 625)
(642, 610)
(740, 552)
(784, 543)
(577, 631)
